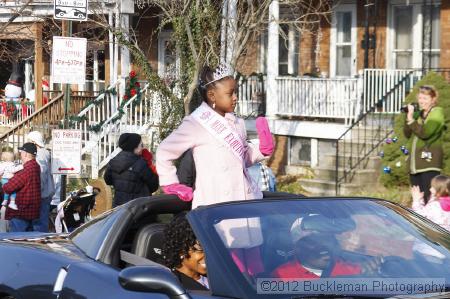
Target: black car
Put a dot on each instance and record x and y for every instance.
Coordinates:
(251, 248)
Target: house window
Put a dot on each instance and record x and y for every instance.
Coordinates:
(167, 58)
(288, 50)
(300, 151)
(403, 25)
(431, 35)
(343, 43)
(414, 35)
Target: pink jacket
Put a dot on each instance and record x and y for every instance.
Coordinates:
(219, 174)
(433, 211)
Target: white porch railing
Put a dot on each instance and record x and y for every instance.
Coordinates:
(381, 82)
(251, 96)
(318, 98)
(138, 117)
(106, 105)
(22, 112)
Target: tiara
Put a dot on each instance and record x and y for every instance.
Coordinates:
(222, 71)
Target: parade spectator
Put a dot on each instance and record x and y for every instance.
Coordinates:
(220, 151)
(56, 198)
(437, 208)
(263, 176)
(148, 157)
(186, 169)
(426, 127)
(184, 255)
(27, 184)
(129, 173)
(43, 158)
(7, 170)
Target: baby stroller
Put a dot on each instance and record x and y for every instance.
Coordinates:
(75, 210)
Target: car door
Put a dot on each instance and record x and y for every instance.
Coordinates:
(96, 280)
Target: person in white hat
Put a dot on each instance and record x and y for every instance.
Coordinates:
(47, 185)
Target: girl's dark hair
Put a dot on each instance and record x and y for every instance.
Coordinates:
(206, 75)
(178, 239)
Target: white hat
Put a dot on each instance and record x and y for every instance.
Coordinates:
(37, 138)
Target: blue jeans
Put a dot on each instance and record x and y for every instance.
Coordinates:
(20, 225)
(41, 224)
(6, 196)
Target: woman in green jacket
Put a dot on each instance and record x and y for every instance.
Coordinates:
(426, 127)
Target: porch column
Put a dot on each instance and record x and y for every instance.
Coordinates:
(228, 30)
(38, 65)
(110, 48)
(223, 32)
(272, 60)
(231, 30)
(126, 9)
(124, 51)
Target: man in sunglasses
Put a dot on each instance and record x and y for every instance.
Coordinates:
(315, 257)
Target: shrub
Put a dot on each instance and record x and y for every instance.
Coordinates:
(392, 153)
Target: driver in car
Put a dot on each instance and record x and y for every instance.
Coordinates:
(314, 257)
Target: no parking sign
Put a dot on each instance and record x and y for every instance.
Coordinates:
(66, 151)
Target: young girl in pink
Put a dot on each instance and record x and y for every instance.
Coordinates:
(437, 209)
(218, 142)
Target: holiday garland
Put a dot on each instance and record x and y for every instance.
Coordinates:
(133, 89)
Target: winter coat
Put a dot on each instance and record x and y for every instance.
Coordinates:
(219, 174)
(44, 160)
(131, 177)
(433, 211)
(428, 134)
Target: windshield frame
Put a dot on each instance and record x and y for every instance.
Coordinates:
(225, 273)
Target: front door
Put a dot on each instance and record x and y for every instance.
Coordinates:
(343, 41)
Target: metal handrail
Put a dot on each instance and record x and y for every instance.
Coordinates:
(363, 117)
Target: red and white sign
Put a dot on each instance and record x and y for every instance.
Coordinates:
(66, 151)
(69, 60)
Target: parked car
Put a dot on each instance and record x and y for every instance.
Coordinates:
(245, 242)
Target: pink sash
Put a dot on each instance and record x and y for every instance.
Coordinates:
(218, 127)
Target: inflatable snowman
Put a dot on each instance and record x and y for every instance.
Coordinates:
(13, 89)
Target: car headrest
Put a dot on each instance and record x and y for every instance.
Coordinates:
(149, 241)
(320, 223)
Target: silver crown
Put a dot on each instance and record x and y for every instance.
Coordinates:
(222, 71)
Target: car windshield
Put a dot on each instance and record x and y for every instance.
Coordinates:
(323, 239)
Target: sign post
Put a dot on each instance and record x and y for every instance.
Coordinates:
(68, 69)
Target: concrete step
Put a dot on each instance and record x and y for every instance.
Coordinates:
(299, 170)
(357, 176)
(320, 187)
(371, 162)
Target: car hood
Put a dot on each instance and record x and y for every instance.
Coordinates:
(58, 244)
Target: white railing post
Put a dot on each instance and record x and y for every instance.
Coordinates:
(95, 154)
(360, 95)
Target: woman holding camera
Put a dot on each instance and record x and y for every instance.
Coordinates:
(426, 127)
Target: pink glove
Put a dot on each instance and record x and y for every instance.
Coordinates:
(182, 191)
(266, 144)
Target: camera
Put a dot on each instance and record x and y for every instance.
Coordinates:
(404, 109)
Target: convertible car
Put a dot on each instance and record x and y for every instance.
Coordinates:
(253, 249)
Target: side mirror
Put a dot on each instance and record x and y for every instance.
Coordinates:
(152, 279)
